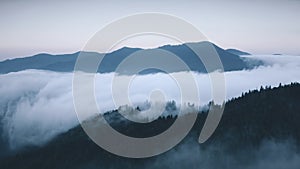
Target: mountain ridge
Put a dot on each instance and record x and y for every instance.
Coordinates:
(66, 62)
(237, 52)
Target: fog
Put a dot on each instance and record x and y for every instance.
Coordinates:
(36, 105)
(270, 154)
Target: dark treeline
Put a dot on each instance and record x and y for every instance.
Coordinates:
(248, 121)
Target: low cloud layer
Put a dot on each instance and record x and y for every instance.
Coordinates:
(269, 155)
(37, 105)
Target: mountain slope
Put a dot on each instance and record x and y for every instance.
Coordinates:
(237, 52)
(248, 121)
(66, 62)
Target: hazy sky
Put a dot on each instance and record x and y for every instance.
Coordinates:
(31, 27)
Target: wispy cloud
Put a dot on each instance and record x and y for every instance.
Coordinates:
(37, 105)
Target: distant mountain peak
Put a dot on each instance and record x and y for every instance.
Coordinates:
(66, 62)
(237, 52)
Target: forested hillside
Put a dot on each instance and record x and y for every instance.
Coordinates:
(260, 116)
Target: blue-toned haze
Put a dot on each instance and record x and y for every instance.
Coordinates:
(258, 27)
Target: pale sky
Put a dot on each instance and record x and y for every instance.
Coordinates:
(259, 27)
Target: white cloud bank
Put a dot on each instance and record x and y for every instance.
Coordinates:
(37, 105)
